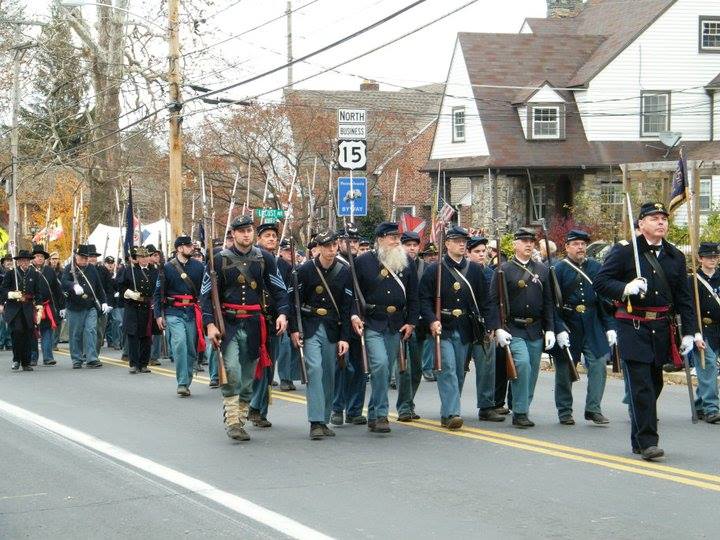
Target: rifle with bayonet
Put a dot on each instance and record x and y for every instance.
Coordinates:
(552, 278)
(437, 362)
(359, 303)
(214, 292)
(298, 313)
(503, 303)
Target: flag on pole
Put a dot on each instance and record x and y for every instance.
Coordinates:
(410, 223)
(129, 223)
(53, 232)
(678, 192)
(446, 212)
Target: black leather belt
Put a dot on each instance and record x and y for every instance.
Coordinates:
(452, 313)
(707, 321)
(579, 308)
(310, 310)
(378, 308)
(527, 321)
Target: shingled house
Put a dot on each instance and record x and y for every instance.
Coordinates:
(571, 97)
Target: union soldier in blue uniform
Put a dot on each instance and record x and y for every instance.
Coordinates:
(591, 329)
(325, 288)
(409, 380)
(389, 284)
(48, 303)
(350, 381)
(244, 273)
(530, 321)
(17, 294)
(137, 287)
(646, 309)
(176, 307)
(85, 297)
(483, 352)
(706, 401)
(464, 310)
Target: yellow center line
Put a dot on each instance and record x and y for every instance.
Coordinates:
(610, 461)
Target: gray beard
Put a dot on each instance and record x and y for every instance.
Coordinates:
(394, 259)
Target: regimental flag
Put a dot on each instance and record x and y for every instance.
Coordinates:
(130, 223)
(678, 192)
(411, 223)
(53, 232)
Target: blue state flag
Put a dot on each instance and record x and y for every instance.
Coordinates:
(678, 192)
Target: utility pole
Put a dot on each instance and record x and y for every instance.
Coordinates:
(288, 13)
(175, 146)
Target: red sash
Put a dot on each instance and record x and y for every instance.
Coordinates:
(47, 314)
(201, 345)
(264, 360)
(674, 352)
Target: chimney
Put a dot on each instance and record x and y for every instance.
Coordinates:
(367, 85)
(561, 9)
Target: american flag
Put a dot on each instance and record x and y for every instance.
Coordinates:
(445, 214)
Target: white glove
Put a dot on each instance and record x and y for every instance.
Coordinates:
(611, 337)
(549, 340)
(62, 313)
(78, 290)
(14, 295)
(636, 286)
(503, 338)
(105, 309)
(131, 295)
(117, 295)
(563, 340)
(686, 344)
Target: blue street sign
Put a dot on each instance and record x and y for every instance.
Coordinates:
(358, 198)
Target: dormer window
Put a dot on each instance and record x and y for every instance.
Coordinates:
(546, 121)
(709, 34)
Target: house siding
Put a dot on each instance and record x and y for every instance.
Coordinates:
(460, 95)
(664, 57)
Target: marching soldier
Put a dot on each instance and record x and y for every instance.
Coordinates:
(350, 381)
(646, 308)
(409, 380)
(138, 286)
(464, 309)
(244, 273)
(363, 246)
(177, 310)
(48, 302)
(706, 401)
(483, 352)
(591, 329)
(19, 287)
(85, 298)
(530, 321)
(388, 281)
(325, 288)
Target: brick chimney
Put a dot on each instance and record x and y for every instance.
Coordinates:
(560, 9)
(367, 85)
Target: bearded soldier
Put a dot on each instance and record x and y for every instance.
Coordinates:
(137, 286)
(177, 310)
(325, 289)
(389, 284)
(530, 321)
(591, 330)
(244, 273)
(645, 314)
(464, 309)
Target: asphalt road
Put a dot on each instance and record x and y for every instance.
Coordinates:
(101, 453)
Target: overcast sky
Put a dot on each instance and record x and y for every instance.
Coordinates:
(419, 59)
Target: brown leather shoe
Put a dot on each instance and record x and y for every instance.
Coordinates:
(381, 425)
(316, 431)
(453, 423)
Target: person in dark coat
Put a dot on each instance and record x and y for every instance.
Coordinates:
(85, 300)
(17, 294)
(645, 316)
(137, 288)
(51, 301)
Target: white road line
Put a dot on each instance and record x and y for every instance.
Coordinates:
(258, 513)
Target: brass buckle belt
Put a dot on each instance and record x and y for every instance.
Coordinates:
(523, 321)
(377, 308)
(319, 311)
(452, 313)
(707, 321)
(579, 308)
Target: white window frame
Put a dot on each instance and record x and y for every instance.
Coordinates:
(654, 93)
(707, 20)
(547, 122)
(456, 125)
(404, 209)
(612, 202)
(705, 183)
